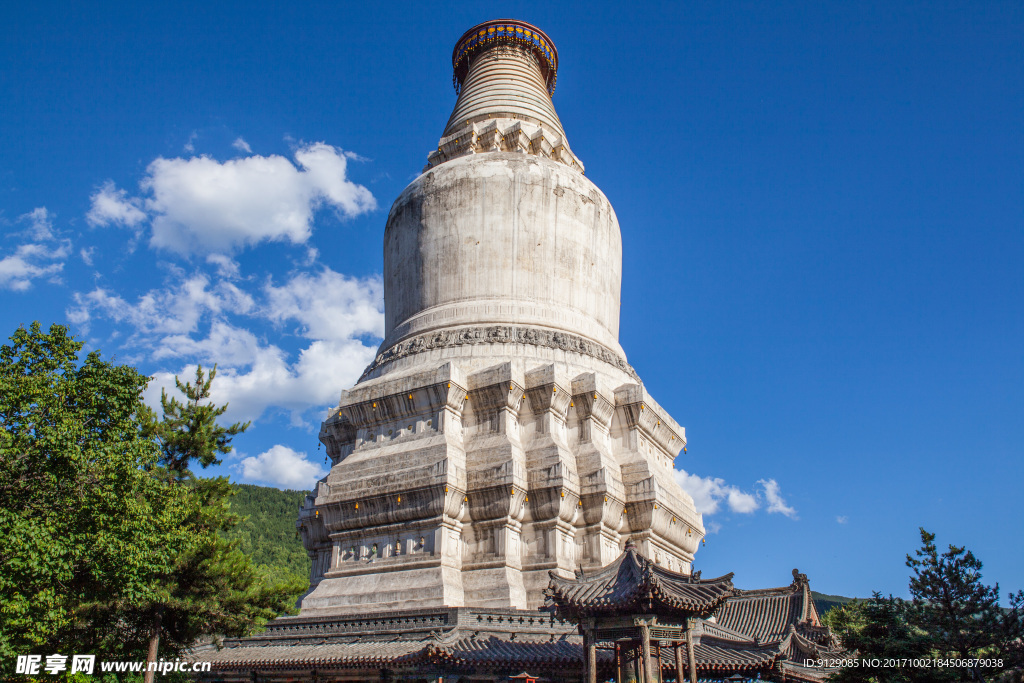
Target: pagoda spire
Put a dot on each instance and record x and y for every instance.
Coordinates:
(504, 73)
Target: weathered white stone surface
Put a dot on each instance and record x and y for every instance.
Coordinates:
(500, 433)
(504, 105)
(502, 238)
(454, 488)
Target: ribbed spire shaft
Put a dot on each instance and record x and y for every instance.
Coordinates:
(504, 82)
(505, 73)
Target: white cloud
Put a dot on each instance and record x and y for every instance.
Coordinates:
(775, 501)
(709, 493)
(40, 224)
(282, 467)
(241, 145)
(174, 310)
(43, 257)
(253, 375)
(189, 144)
(227, 345)
(329, 305)
(201, 318)
(227, 267)
(200, 204)
(27, 263)
(842, 519)
(87, 255)
(740, 501)
(268, 380)
(112, 206)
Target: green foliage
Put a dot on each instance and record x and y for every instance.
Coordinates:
(189, 431)
(106, 537)
(214, 589)
(953, 616)
(267, 531)
(959, 613)
(1010, 638)
(878, 628)
(824, 602)
(82, 523)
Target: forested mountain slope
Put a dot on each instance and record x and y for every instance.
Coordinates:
(267, 531)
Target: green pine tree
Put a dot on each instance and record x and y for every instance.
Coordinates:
(188, 432)
(953, 616)
(214, 589)
(960, 614)
(877, 628)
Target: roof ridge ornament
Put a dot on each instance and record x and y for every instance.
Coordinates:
(800, 579)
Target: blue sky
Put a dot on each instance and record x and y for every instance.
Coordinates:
(822, 208)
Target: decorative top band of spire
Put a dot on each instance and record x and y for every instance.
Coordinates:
(508, 32)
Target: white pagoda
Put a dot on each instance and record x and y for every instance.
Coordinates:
(500, 432)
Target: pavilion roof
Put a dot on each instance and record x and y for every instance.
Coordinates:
(768, 614)
(632, 583)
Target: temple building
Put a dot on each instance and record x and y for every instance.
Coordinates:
(490, 465)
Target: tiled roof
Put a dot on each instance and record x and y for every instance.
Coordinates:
(351, 653)
(500, 650)
(713, 654)
(796, 671)
(459, 649)
(767, 614)
(797, 647)
(765, 618)
(633, 583)
(782, 621)
(716, 630)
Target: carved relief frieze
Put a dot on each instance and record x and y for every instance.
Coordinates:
(500, 334)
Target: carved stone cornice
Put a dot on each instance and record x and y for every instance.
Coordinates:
(592, 405)
(546, 394)
(504, 135)
(500, 334)
(641, 414)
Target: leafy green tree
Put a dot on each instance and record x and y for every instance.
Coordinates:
(82, 522)
(267, 530)
(107, 540)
